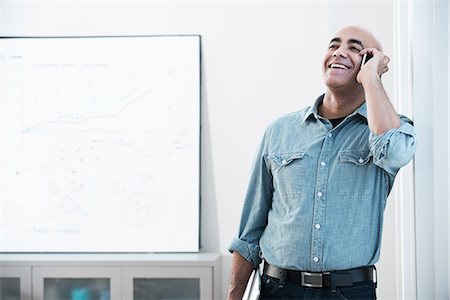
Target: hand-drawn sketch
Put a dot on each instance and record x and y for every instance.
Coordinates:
(100, 144)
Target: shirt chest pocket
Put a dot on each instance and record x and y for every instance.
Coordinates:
(355, 168)
(289, 171)
(355, 157)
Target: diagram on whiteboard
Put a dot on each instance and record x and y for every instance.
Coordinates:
(100, 144)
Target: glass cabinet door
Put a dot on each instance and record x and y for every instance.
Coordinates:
(166, 283)
(166, 288)
(76, 283)
(9, 288)
(77, 288)
(15, 283)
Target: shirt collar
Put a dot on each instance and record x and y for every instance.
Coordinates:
(312, 112)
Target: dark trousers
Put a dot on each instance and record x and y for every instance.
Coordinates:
(272, 289)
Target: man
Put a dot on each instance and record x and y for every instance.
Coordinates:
(317, 193)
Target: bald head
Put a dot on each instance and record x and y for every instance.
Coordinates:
(367, 39)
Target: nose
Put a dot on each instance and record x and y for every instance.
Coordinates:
(340, 51)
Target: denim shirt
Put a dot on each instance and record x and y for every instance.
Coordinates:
(317, 194)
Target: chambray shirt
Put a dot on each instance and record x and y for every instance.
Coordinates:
(317, 194)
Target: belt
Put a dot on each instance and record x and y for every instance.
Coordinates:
(331, 279)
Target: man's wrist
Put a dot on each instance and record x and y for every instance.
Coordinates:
(373, 79)
(235, 293)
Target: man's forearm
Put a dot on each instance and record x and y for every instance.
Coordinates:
(240, 272)
(380, 111)
(381, 114)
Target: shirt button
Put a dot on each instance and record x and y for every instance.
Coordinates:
(319, 194)
(330, 135)
(317, 226)
(323, 164)
(283, 162)
(315, 259)
(361, 160)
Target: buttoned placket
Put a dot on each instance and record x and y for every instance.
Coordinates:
(320, 202)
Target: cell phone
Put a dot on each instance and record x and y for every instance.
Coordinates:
(365, 58)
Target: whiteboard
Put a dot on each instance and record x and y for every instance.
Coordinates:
(100, 142)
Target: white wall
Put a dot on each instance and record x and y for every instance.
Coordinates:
(260, 60)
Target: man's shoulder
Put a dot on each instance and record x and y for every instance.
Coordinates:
(294, 118)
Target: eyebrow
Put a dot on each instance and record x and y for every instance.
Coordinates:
(350, 41)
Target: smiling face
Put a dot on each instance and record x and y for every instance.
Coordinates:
(342, 60)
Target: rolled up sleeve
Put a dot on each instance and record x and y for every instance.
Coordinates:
(395, 148)
(255, 210)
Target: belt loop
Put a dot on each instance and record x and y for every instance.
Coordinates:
(332, 283)
(283, 279)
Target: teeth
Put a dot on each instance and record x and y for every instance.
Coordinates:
(340, 66)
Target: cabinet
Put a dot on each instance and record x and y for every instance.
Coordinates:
(76, 283)
(168, 283)
(109, 276)
(15, 282)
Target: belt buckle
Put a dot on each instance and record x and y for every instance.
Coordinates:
(314, 275)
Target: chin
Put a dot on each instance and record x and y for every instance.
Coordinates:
(333, 83)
